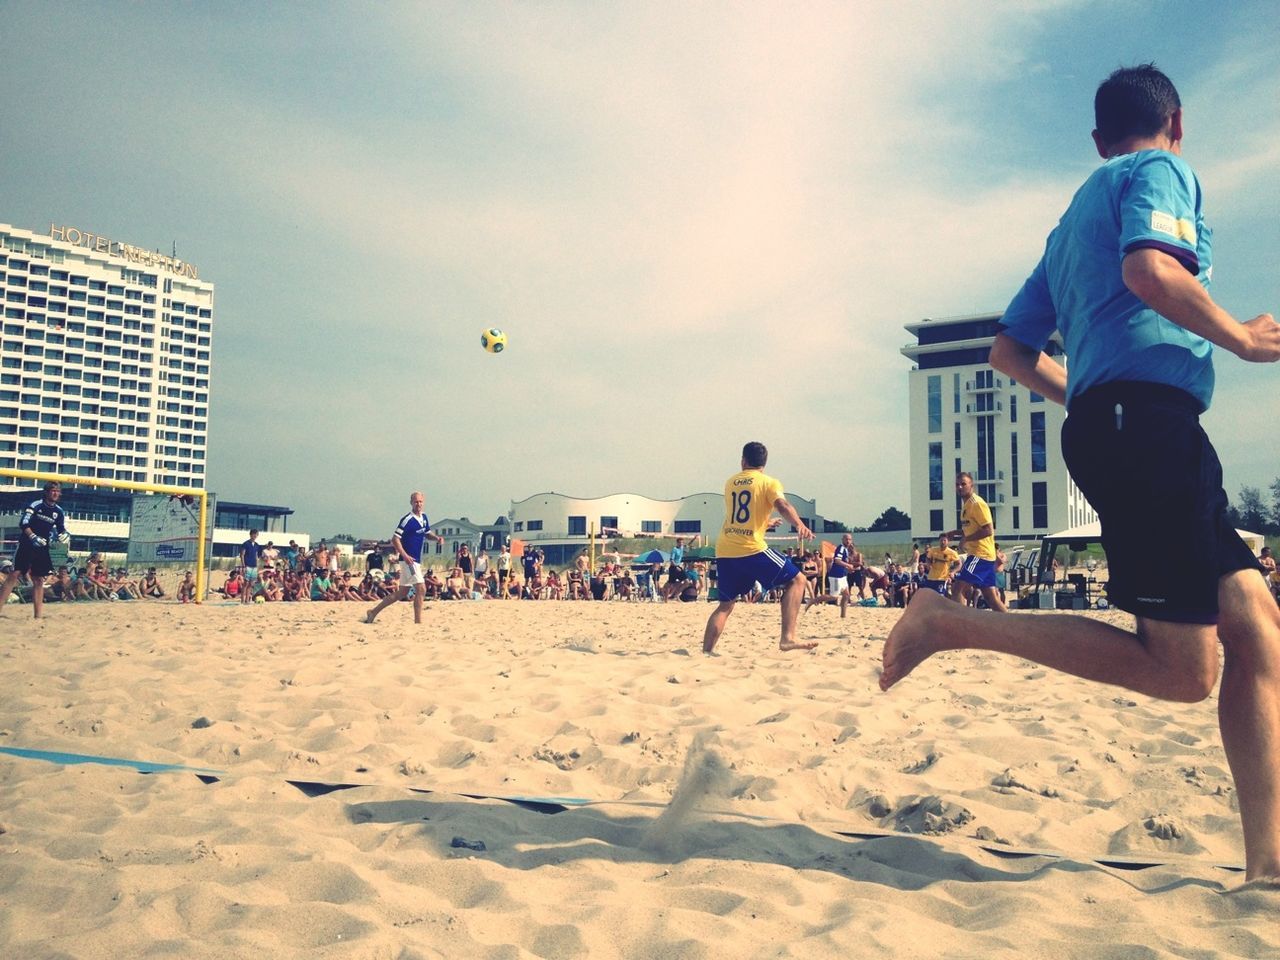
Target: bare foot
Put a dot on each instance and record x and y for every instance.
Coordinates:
(368, 617)
(786, 646)
(914, 639)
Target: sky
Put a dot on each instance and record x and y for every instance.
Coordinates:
(698, 224)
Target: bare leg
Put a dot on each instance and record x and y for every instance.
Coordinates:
(10, 582)
(386, 601)
(844, 602)
(417, 603)
(1249, 714)
(792, 600)
(37, 596)
(1171, 661)
(995, 599)
(715, 624)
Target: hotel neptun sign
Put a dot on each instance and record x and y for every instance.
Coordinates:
(147, 258)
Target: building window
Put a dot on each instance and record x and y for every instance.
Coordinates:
(986, 450)
(1039, 461)
(1040, 505)
(609, 523)
(577, 526)
(1036, 398)
(534, 525)
(955, 393)
(1013, 407)
(957, 426)
(935, 521)
(935, 404)
(688, 526)
(1017, 519)
(650, 526)
(519, 526)
(935, 471)
(1013, 463)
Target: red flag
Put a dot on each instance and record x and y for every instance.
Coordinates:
(828, 549)
(517, 548)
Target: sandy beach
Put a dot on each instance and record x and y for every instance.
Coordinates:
(751, 804)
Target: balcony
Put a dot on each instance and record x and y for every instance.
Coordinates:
(994, 476)
(979, 409)
(973, 386)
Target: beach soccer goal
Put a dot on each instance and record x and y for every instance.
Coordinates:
(145, 525)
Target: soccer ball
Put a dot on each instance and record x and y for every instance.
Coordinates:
(259, 599)
(493, 340)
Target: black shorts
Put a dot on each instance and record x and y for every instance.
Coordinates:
(676, 574)
(32, 559)
(1138, 453)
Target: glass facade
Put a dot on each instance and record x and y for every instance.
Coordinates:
(1039, 458)
(935, 404)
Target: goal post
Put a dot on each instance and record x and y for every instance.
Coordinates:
(201, 496)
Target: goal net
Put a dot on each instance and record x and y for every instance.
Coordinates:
(137, 526)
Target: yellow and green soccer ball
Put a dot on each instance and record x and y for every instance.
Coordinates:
(493, 340)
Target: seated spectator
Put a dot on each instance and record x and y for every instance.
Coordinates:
(455, 585)
(269, 587)
(60, 588)
(555, 586)
(321, 585)
(431, 585)
(233, 589)
(150, 586)
(187, 588)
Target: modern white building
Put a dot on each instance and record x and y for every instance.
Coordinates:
(104, 359)
(967, 416)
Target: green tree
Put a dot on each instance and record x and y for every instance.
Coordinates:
(1252, 510)
(891, 519)
(1275, 506)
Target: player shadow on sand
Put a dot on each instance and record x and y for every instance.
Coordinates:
(524, 839)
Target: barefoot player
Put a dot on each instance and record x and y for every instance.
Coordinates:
(978, 543)
(413, 530)
(1124, 278)
(744, 559)
(41, 522)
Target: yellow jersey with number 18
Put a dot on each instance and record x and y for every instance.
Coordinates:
(749, 497)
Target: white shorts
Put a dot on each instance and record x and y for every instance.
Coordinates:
(410, 573)
(837, 584)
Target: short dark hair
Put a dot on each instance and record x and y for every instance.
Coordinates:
(964, 473)
(755, 454)
(1134, 102)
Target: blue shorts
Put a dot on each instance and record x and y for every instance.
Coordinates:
(250, 574)
(737, 576)
(981, 573)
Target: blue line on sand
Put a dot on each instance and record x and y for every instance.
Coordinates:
(142, 766)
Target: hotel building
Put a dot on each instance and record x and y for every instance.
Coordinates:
(104, 360)
(964, 415)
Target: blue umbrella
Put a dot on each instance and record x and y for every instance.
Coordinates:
(653, 556)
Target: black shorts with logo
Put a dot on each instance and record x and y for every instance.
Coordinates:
(32, 559)
(1137, 452)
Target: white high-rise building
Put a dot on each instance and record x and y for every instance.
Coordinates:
(104, 359)
(967, 416)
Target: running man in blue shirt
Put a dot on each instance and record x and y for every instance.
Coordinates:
(412, 532)
(1124, 279)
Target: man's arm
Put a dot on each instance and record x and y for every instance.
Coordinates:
(404, 554)
(788, 511)
(1030, 367)
(1164, 284)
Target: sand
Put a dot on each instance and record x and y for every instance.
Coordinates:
(751, 804)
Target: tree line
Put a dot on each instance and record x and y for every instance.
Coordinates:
(1253, 511)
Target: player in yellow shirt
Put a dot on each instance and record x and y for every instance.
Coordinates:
(978, 541)
(743, 559)
(942, 560)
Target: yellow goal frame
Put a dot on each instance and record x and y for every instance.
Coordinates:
(201, 495)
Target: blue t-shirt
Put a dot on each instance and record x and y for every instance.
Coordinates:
(1146, 199)
(677, 555)
(412, 532)
(250, 549)
(834, 569)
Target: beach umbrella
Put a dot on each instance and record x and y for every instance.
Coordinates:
(652, 556)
